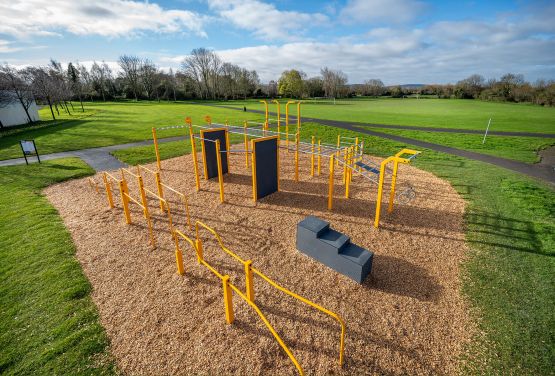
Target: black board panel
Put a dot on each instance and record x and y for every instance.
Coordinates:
(210, 152)
(266, 167)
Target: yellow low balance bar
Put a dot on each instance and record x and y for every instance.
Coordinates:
(248, 296)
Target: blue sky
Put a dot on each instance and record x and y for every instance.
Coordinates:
(398, 41)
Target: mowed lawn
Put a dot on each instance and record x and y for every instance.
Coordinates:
(436, 113)
(113, 123)
(48, 323)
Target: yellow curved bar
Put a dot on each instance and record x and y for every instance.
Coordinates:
(312, 304)
(224, 248)
(271, 328)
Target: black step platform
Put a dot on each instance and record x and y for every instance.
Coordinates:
(316, 239)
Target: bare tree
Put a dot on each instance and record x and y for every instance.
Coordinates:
(42, 85)
(333, 82)
(148, 73)
(14, 82)
(131, 67)
(203, 67)
(374, 87)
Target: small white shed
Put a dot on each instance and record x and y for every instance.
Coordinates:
(14, 114)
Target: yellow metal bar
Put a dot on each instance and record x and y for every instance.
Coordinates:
(338, 151)
(266, 110)
(93, 184)
(330, 188)
(246, 145)
(319, 157)
(108, 187)
(393, 182)
(298, 116)
(203, 155)
(271, 329)
(200, 256)
(227, 149)
(220, 174)
(277, 167)
(380, 190)
(313, 305)
(253, 164)
(312, 158)
(287, 123)
(143, 194)
(179, 259)
(194, 154)
(278, 117)
(155, 139)
(158, 180)
(124, 201)
(297, 157)
(228, 303)
(248, 280)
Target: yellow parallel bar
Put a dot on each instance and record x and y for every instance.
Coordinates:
(313, 305)
(194, 154)
(319, 156)
(330, 189)
(155, 139)
(312, 158)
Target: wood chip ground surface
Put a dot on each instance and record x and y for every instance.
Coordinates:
(408, 317)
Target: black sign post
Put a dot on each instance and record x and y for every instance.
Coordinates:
(29, 148)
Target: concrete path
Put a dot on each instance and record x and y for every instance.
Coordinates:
(98, 158)
(542, 171)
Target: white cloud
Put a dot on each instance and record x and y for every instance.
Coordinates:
(380, 11)
(265, 20)
(7, 46)
(110, 18)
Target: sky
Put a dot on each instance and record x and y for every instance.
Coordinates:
(397, 41)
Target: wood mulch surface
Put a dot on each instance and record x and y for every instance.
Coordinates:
(408, 317)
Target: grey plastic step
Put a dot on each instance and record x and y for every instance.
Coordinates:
(333, 249)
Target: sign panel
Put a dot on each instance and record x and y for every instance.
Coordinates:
(29, 148)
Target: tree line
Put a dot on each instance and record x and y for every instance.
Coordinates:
(204, 75)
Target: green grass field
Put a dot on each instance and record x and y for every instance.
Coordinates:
(113, 123)
(509, 278)
(436, 113)
(524, 149)
(48, 323)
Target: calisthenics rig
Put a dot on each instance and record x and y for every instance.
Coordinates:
(264, 150)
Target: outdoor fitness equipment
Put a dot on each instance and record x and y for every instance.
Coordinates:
(248, 296)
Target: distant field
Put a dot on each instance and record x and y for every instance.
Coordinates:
(437, 113)
(112, 123)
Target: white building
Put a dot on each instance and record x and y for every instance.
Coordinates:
(13, 114)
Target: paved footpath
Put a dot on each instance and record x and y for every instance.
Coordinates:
(98, 158)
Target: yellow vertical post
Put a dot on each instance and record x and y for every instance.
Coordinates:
(246, 144)
(143, 195)
(248, 280)
(338, 150)
(228, 303)
(380, 191)
(124, 201)
(253, 163)
(277, 167)
(296, 157)
(287, 123)
(278, 117)
(220, 174)
(227, 148)
(330, 189)
(312, 158)
(158, 180)
(345, 165)
(178, 256)
(298, 116)
(198, 249)
(393, 182)
(265, 110)
(194, 153)
(155, 139)
(319, 156)
(109, 195)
